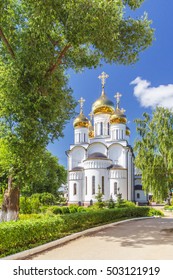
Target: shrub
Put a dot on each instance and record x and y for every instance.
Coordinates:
(22, 235)
(25, 205)
(65, 210)
(81, 209)
(73, 208)
(47, 198)
(55, 209)
(127, 203)
(111, 203)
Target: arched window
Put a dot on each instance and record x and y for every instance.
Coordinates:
(74, 189)
(101, 128)
(93, 184)
(108, 127)
(103, 185)
(138, 195)
(115, 188)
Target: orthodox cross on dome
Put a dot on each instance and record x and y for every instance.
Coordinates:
(117, 97)
(103, 78)
(81, 102)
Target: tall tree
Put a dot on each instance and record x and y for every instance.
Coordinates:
(40, 40)
(154, 152)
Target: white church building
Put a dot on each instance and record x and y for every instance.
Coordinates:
(101, 159)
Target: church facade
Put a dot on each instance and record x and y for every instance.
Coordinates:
(101, 159)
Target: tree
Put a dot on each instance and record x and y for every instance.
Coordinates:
(40, 41)
(52, 176)
(99, 197)
(154, 152)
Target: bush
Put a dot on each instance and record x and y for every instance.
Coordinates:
(25, 205)
(55, 209)
(127, 203)
(81, 209)
(22, 235)
(73, 208)
(111, 203)
(47, 198)
(65, 210)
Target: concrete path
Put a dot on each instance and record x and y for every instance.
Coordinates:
(140, 239)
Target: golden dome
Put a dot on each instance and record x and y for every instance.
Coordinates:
(118, 117)
(81, 121)
(103, 105)
(127, 131)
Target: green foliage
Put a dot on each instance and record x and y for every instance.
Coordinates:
(168, 207)
(73, 208)
(154, 152)
(119, 200)
(25, 234)
(36, 203)
(55, 209)
(65, 210)
(127, 203)
(99, 197)
(47, 198)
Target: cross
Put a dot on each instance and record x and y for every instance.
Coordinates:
(103, 78)
(117, 97)
(81, 101)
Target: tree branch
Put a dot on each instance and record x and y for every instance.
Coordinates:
(6, 42)
(52, 69)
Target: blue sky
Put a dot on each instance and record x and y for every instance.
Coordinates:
(152, 77)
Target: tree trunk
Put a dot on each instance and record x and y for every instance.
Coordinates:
(10, 204)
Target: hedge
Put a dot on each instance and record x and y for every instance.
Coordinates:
(22, 235)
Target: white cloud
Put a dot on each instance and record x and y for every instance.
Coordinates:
(148, 96)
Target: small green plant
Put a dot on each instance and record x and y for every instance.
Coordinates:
(99, 197)
(119, 200)
(111, 203)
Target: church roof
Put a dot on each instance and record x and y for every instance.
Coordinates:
(77, 168)
(116, 166)
(97, 156)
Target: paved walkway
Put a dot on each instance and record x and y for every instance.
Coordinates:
(140, 239)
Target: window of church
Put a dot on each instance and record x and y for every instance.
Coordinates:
(103, 185)
(108, 127)
(101, 128)
(138, 195)
(86, 185)
(84, 137)
(115, 188)
(93, 184)
(74, 189)
(116, 134)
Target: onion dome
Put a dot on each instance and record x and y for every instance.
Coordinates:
(103, 105)
(118, 117)
(127, 131)
(81, 120)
